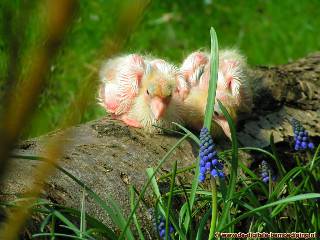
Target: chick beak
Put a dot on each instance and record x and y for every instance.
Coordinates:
(158, 107)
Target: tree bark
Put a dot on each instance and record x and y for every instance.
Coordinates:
(109, 156)
(280, 93)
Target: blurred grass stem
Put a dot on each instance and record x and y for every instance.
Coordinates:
(23, 98)
(60, 16)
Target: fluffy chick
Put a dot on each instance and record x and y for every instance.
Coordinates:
(139, 91)
(232, 89)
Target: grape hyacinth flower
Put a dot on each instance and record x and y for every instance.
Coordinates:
(159, 223)
(209, 162)
(301, 137)
(264, 171)
(162, 228)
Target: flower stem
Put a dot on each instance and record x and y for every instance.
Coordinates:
(214, 209)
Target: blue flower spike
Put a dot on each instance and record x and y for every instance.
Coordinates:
(162, 228)
(264, 172)
(209, 162)
(301, 136)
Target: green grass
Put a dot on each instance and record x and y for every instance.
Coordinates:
(267, 32)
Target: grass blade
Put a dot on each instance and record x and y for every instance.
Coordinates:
(173, 178)
(214, 55)
(194, 187)
(182, 213)
(185, 210)
(114, 213)
(135, 220)
(213, 208)
(280, 167)
(56, 234)
(191, 135)
(214, 63)
(83, 214)
(195, 181)
(99, 226)
(254, 149)
(202, 224)
(66, 221)
(282, 201)
(282, 184)
(234, 167)
(314, 157)
(151, 175)
(154, 184)
(45, 222)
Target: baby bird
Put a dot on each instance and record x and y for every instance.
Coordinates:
(232, 89)
(142, 92)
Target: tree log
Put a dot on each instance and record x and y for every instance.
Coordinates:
(280, 93)
(109, 156)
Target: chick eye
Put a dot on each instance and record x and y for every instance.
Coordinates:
(148, 92)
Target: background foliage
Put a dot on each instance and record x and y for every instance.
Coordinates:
(267, 32)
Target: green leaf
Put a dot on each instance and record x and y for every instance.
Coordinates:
(282, 201)
(195, 180)
(213, 209)
(45, 222)
(194, 187)
(257, 150)
(182, 213)
(234, 167)
(37, 235)
(202, 224)
(66, 221)
(90, 220)
(191, 135)
(113, 211)
(284, 181)
(135, 220)
(83, 214)
(314, 157)
(151, 175)
(154, 184)
(254, 176)
(185, 210)
(251, 208)
(173, 178)
(280, 167)
(214, 58)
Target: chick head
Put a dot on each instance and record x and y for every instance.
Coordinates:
(158, 89)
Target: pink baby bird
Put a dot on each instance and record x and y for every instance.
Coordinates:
(232, 89)
(142, 92)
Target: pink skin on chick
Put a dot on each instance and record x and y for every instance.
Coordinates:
(121, 78)
(138, 91)
(232, 87)
(158, 107)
